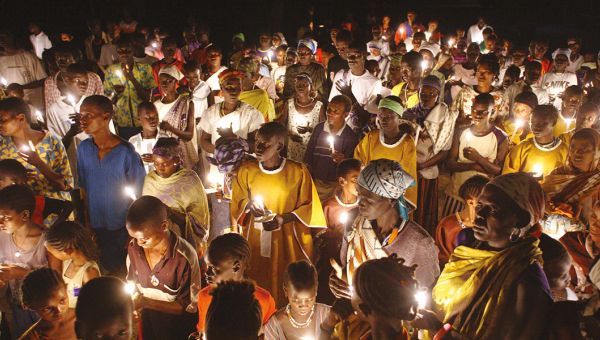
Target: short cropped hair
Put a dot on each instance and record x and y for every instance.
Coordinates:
(145, 209)
(101, 102)
(15, 106)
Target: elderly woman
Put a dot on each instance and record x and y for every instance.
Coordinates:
(176, 115)
(306, 51)
(494, 286)
(181, 190)
(300, 115)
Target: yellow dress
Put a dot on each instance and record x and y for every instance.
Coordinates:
(404, 151)
(288, 189)
(561, 126)
(411, 101)
(527, 156)
(566, 137)
(260, 100)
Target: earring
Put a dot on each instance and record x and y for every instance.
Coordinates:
(515, 235)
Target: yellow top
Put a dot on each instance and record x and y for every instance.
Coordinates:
(371, 147)
(561, 126)
(527, 156)
(411, 101)
(288, 189)
(514, 136)
(260, 100)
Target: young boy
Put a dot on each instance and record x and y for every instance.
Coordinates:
(572, 99)
(13, 172)
(587, 117)
(339, 213)
(106, 165)
(199, 91)
(165, 270)
(558, 80)
(144, 141)
(104, 310)
(542, 153)
(283, 204)
(227, 259)
(449, 226)
(517, 129)
(41, 152)
(320, 159)
(17, 91)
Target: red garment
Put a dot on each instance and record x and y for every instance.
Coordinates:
(38, 212)
(575, 243)
(546, 63)
(445, 237)
(157, 66)
(265, 300)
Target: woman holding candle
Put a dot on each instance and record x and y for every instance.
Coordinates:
(494, 286)
(544, 152)
(279, 225)
(393, 141)
(181, 190)
(306, 64)
(301, 115)
(477, 150)
(41, 152)
(176, 116)
(517, 127)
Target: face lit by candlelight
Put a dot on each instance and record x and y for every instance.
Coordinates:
(336, 114)
(11, 220)
(11, 124)
(542, 126)
(267, 148)
(581, 154)
(55, 307)
(232, 88)
(76, 83)
(481, 113)
(349, 182)
(301, 301)
(303, 86)
(522, 111)
(166, 166)
(587, 118)
(148, 119)
(388, 119)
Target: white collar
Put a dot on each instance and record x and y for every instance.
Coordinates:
(547, 149)
(326, 128)
(272, 172)
(390, 146)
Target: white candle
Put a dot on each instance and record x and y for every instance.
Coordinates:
(450, 42)
(258, 201)
(39, 116)
(31, 146)
(538, 170)
(119, 74)
(568, 122)
(130, 288)
(344, 217)
(468, 136)
(421, 298)
(331, 141)
(71, 100)
(519, 123)
(3, 81)
(130, 192)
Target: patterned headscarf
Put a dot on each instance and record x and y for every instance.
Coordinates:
(386, 178)
(229, 73)
(229, 154)
(525, 191)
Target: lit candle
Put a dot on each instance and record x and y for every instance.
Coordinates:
(270, 55)
(331, 141)
(450, 42)
(519, 123)
(119, 74)
(424, 65)
(344, 217)
(130, 192)
(421, 298)
(129, 287)
(71, 100)
(31, 146)
(3, 81)
(568, 122)
(538, 170)
(154, 44)
(258, 202)
(402, 31)
(25, 148)
(39, 116)
(301, 121)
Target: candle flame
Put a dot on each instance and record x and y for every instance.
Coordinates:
(39, 116)
(450, 42)
(519, 123)
(130, 288)
(421, 298)
(130, 192)
(538, 170)
(71, 99)
(3, 81)
(258, 201)
(344, 217)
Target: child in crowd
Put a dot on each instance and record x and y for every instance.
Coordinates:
(104, 310)
(17, 91)
(339, 213)
(73, 244)
(557, 264)
(572, 98)
(45, 293)
(587, 117)
(199, 91)
(144, 141)
(227, 260)
(517, 128)
(302, 317)
(542, 153)
(234, 312)
(477, 150)
(320, 158)
(165, 269)
(21, 249)
(47, 210)
(450, 226)
(556, 81)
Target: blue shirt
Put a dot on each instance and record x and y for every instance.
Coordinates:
(104, 182)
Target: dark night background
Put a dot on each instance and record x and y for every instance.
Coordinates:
(554, 20)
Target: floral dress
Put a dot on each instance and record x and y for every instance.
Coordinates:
(296, 150)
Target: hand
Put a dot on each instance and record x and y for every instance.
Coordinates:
(343, 88)
(471, 154)
(166, 126)
(226, 132)
(339, 287)
(147, 158)
(303, 129)
(138, 302)
(296, 138)
(75, 124)
(273, 224)
(257, 210)
(338, 157)
(119, 89)
(32, 158)
(427, 319)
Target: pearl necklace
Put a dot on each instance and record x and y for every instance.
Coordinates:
(297, 103)
(296, 324)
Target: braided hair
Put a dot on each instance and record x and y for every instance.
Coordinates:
(388, 287)
(72, 235)
(39, 285)
(234, 312)
(229, 246)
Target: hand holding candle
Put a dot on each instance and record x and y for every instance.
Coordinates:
(538, 171)
(331, 141)
(519, 123)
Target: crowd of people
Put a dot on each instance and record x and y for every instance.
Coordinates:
(423, 184)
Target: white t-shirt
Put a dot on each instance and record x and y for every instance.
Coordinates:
(143, 146)
(200, 98)
(213, 80)
(365, 88)
(475, 34)
(244, 120)
(40, 43)
(556, 83)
